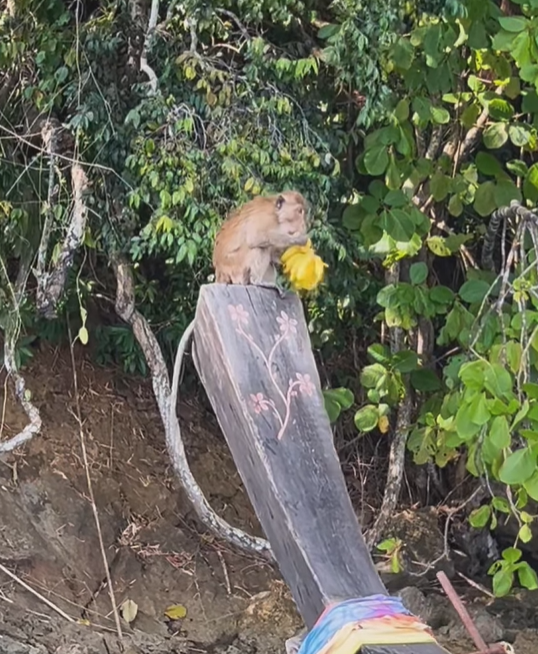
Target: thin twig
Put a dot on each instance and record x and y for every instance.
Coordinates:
(34, 592)
(82, 437)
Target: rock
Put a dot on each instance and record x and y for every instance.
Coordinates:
(526, 641)
(415, 601)
(423, 543)
(9, 645)
(489, 627)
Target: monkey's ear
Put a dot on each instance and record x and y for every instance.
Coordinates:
(279, 202)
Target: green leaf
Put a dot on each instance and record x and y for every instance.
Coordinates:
(465, 427)
(487, 164)
(527, 576)
(455, 206)
(511, 554)
(505, 192)
(469, 115)
(439, 186)
(401, 112)
(474, 290)
(376, 160)
(529, 104)
(519, 135)
(518, 467)
(529, 388)
(440, 115)
(397, 224)
(418, 273)
(438, 246)
(502, 582)
(499, 432)
(405, 361)
(329, 30)
(495, 135)
(530, 183)
(425, 380)
(484, 199)
(396, 199)
(498, 381)
(366, 418)
(392, 174)
(343, 396)
(531, 486)
(513, 23)
(441, 295)
(473, 374)
(517, 167)
(337, 400)
(403, 53)
(353, 216)
(379, 353)
(501, 504)
(525, 534)
(332, 408)
(479, 518)
(372, 375)
(478, 410)
(500, 109)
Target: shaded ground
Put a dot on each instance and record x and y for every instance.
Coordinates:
(157, 554)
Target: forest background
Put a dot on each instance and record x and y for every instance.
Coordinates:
(127, 131)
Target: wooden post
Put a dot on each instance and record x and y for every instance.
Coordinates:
(252, 352)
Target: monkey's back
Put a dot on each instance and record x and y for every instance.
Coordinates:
(234, 260)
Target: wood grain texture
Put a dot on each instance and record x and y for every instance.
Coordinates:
(253, 354)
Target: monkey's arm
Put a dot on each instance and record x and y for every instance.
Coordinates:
(275, 238)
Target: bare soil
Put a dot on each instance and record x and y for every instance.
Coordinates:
(157, 552)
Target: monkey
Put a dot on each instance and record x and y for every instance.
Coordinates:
(251, 240)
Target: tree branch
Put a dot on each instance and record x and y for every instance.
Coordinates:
(399, 437)
(50, 286)
(166, 401)
(144, 66)
(21, 392)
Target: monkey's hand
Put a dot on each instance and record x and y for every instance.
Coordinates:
(275, 287)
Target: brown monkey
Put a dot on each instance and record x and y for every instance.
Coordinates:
(249, 243)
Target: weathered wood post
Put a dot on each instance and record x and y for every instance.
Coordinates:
(252, 352)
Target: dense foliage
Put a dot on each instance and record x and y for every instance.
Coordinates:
(407, 125)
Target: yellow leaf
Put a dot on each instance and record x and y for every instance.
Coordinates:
(383, 424)
(176, 612)
(249, 183)
(190, 73)
(164, 224)
(129, 609)
(83, 335)
(189, 185)
(83, 621)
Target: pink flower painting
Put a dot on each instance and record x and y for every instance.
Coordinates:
(301, 384)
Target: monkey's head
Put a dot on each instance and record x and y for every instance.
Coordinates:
(291, 210)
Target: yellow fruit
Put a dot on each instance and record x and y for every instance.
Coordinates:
(304, 268)
(296, 249)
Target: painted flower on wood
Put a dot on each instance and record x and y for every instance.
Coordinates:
(302, 383)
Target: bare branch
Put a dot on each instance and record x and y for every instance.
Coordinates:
(166, 401)
(21, 392)
(399, 437)
(230, 14)
(51, 285)
(144, 66)
(50, 141)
